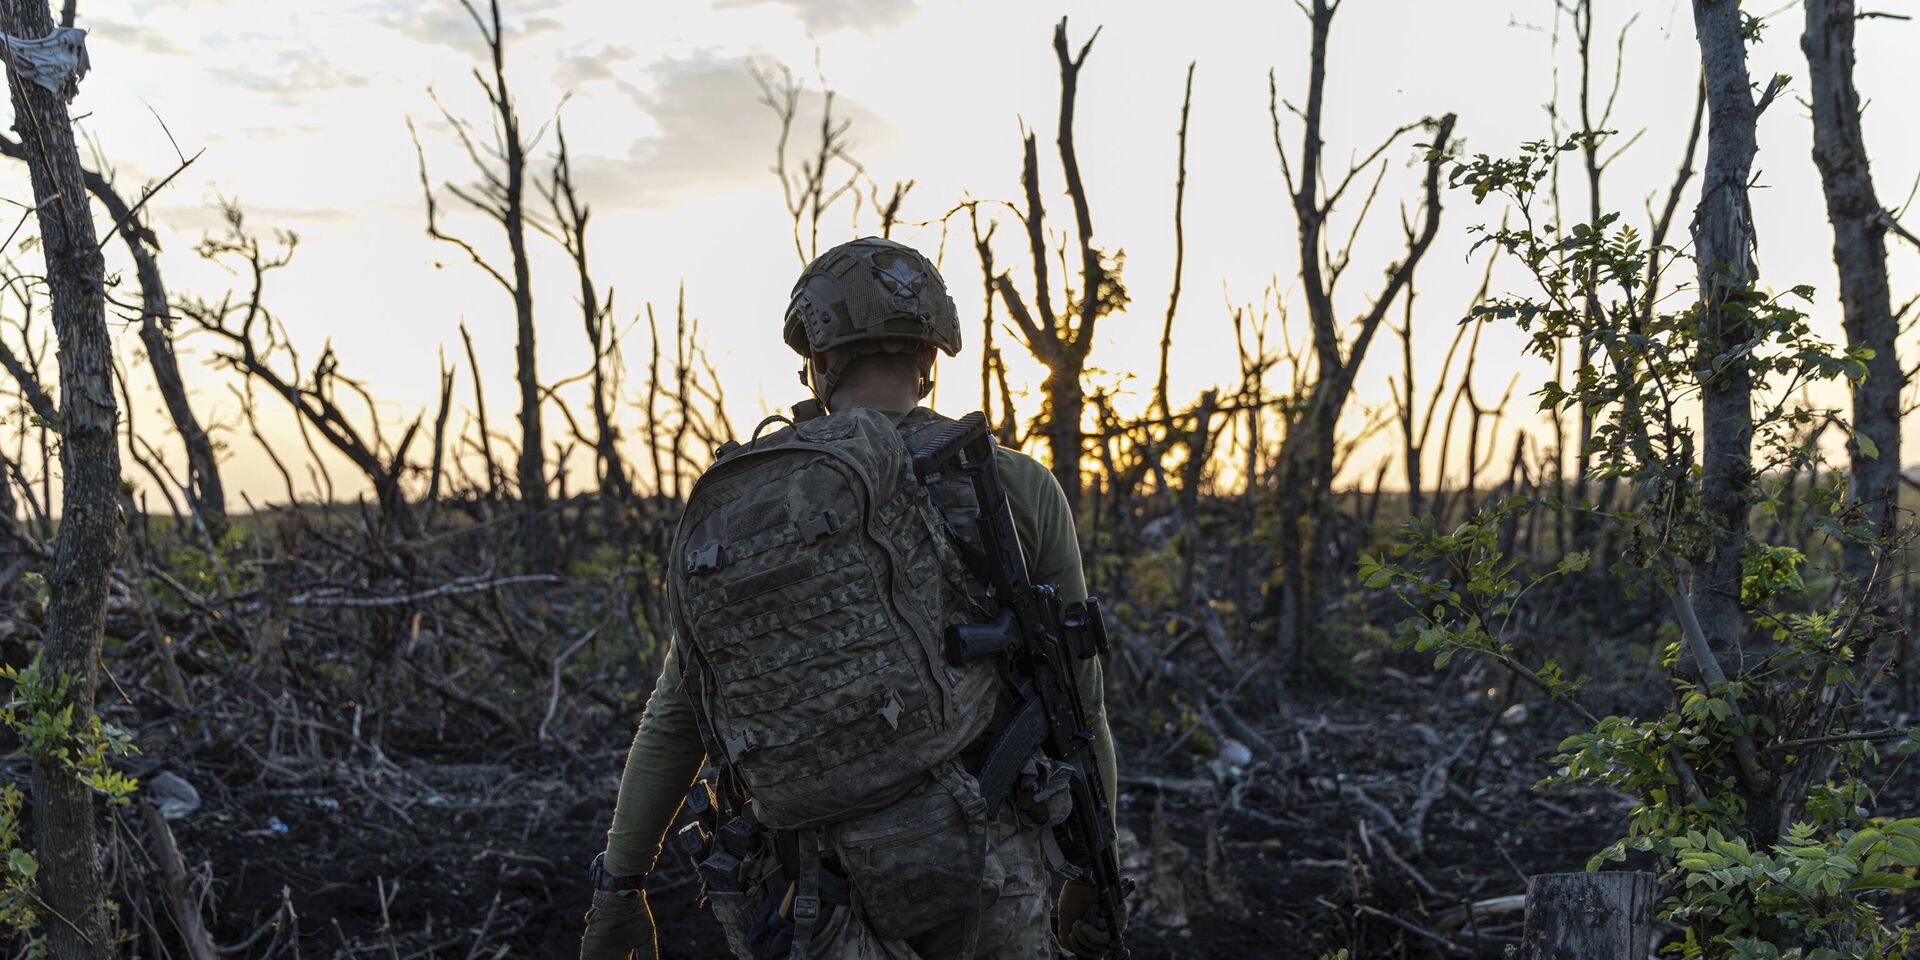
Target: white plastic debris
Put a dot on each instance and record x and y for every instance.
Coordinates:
(172, 794)
(1235, 754)
(56, 61)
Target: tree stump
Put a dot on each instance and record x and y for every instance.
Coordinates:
(1589, 916)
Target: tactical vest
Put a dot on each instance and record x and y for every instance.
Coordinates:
(811, 583)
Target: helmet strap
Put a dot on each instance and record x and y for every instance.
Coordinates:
(824, 382)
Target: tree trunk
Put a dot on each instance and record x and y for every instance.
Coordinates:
(536, 527)
(1860, 253)
(64, 819)
(1589, 916)
(204, 489)
(1066, 405)
(533, 455)
(1723, 248)
(1304, 488)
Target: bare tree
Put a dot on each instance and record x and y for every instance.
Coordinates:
(65, 827)
(1160, 403)
(204, 488)
(827, 174)
(1860, 253)
(1413, 440)
(1307, 452)
(501, 195)
(993, 366)
(570, 220)
(258, 347)
(1062, 340)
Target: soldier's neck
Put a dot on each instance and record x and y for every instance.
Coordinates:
(886, 397)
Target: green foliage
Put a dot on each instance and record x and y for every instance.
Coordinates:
(1806, 889)
(193, 566)
(1153, 578)
(20, 910)
(1468, 605)
(40, 714)
(1715, 775)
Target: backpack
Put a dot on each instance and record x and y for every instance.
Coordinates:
(811, 583)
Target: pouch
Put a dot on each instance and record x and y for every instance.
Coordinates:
(919, 862)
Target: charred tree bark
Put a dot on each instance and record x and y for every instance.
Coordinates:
(570, 215)
(1860, 253)
(501, 194)
(65, 827)
(1306, 461)
(1723, 241)
(1589, 916)
(1061, 340)
(532, 468)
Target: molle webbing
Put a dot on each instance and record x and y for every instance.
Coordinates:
(813, 582)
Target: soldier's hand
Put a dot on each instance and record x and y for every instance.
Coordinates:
(1077, 924)
(619, 927)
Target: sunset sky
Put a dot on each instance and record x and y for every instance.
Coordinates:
(302, 110)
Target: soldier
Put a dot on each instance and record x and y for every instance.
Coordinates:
(852, 759)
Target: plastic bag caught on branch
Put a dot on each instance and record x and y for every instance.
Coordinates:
(56, 61)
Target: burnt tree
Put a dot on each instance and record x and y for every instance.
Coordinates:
(1062, 339)
(204, 489)
(65, 827)
(1304, 484)
(500, 194)
(570, 220)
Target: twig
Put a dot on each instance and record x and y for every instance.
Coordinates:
(454, 588)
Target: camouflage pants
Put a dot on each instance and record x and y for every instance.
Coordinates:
(1013, 924)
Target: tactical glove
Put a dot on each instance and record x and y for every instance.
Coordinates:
(1077, 924)
(619, 925)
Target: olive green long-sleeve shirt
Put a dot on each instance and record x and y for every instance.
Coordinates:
(667, 753)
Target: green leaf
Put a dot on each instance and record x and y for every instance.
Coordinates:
(21, 863)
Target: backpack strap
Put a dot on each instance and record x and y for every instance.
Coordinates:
(979, 838)
(806, 892)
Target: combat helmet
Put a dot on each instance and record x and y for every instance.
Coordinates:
(870, 295)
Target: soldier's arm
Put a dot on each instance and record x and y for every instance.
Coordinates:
(1052, 549)
(665, 757)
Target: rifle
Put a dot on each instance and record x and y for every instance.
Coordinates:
(1035, 638)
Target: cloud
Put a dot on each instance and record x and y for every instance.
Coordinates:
(131, 36)
(710, 131)
(298, 73)
(829, 16)
(592, 64)
(207, 217)
(447, 24)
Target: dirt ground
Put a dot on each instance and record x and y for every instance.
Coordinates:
(1340, 838)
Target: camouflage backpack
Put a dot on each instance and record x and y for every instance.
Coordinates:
(811, 585)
